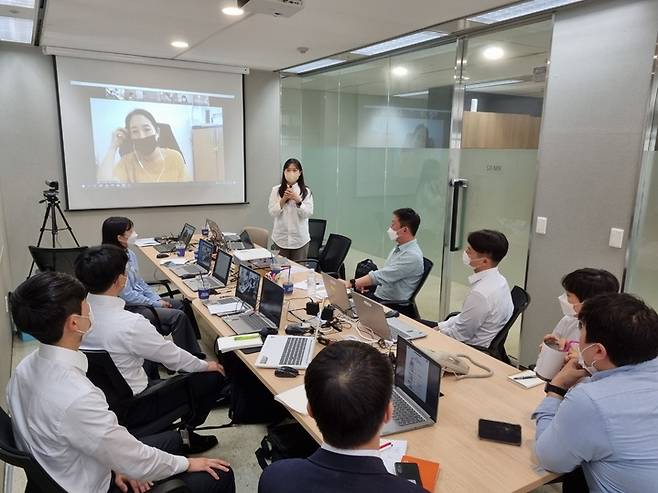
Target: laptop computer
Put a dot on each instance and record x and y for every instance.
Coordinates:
(268, 314)
(246, 292)
(218, 278)
(229, 241)
(416, 390)
(185, 236)
(337, 293)
(295, 351)
(202, 265)
(371, 315)
(243, 242)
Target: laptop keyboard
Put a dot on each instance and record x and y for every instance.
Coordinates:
(403, 413)
(254, 322)
(293, 351)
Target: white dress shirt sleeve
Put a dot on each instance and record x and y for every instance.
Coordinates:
(92, 428)
(465, 325)
(305, 209)
(274, 206)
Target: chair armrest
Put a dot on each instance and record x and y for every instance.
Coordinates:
(165, 283)
(314, 263)
(450, 315)
(171, 486)
(393, 303)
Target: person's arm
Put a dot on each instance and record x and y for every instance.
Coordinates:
(138, 285)
(305, 207)
(276, 203)
(465, 325)
(403, 267)
(106, 169)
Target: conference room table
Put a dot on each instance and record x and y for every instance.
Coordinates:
(467, 464)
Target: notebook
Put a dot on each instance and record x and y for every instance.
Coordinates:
(429, 471)
(526, 379)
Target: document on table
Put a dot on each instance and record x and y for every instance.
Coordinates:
(143, 242)
(392, 453)
(224, 308)
(294, 399)
(174, 261)
(252, 254)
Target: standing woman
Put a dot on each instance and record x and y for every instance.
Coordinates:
(291, 204)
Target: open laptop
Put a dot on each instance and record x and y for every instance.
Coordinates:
(337, 293)
(371, 315)
(268, 315)
(416, 390)
(229, 242)
(185, 236)
(243, 242)
(294, 351)
(202, 265)
(246, 290)
(218, 278)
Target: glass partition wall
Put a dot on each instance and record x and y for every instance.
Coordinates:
(397, 131)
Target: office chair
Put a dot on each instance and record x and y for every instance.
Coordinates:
(316, 229)
(104, 374)
(56, 259)
(258, 236)
(408, 307)
(38, 480)
(332, 257)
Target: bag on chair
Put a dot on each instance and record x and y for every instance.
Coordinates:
(363, 267)
(287, 440)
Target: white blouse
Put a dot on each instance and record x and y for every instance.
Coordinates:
(290, 222)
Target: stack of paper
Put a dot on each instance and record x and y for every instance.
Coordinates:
(252, 253)
(391, 451)
(526, 379)
(228, 344)
(174, 261)
(143, 242)
(224, 308)
(294, 399)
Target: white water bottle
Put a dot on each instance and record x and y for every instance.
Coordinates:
(310, 283)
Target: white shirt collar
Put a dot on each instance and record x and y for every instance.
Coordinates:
(101, 300)
(352, 452)
(64, 356)
(473, 278)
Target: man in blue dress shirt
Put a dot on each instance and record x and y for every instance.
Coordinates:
(606, 424)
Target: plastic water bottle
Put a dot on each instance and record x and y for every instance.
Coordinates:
(310, 283)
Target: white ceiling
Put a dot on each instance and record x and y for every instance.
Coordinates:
(147, 27)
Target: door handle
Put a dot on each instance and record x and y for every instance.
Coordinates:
(459, 186)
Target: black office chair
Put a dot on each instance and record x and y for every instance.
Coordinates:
(56, 259)
(316, 229)
(104, 374)
(520, 300)
(408, 307)
(332, 257)
(38, 480)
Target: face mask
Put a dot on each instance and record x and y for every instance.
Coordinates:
(292, 176)
(145, 146)
(466, 259)
(89, 317)
(581, 361)
(132, 238)
(392, 234)
(567, 308)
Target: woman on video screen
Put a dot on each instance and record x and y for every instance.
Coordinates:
(145, 161)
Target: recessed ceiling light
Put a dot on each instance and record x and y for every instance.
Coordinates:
(397, 43)
(232, 11)
(491, 83)
(318, 64)
(519, 10)
(493, 53)
(399, 71)
(413, 94)
(180, 44)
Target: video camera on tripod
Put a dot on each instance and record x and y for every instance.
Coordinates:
(51, 195)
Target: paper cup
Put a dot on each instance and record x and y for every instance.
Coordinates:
(549, 362)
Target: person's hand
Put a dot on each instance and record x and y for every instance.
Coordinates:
(123, 482)
(570, 374)
(118, 137)
(348, 285)
(295, 196)
(214, 366)
(199, 464)
(288, 194)
(165, 304)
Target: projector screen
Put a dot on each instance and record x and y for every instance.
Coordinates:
(145, 136)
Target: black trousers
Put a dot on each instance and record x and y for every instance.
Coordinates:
(199, 391)
(202, 482)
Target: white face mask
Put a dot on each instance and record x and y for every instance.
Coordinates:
(292, 176)
(567, 308)
(466, 259)
(132, 238)
(591, 369)
(392, 234)
(89, 317)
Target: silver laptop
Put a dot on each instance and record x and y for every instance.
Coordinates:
(416, 390)
(295, 351)
(371, 315)
(246, 292)
(337, 293)
(202, 265)
(229, 241)
(268, 315)
(185, 236)
(218, 278)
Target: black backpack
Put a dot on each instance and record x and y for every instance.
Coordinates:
(363, 267)
(286, 440)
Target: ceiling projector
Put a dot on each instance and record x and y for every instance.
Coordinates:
(277, 8)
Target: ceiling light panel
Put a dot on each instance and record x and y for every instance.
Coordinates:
(15, 29)
(491, 83)
(18, 3)
(519, 10)
(397, 43)
(318, 64)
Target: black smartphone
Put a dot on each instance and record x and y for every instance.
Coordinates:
(499, 431)
(408, 471)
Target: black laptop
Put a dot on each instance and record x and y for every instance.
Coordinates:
(185, 236)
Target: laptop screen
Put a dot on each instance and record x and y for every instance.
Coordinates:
(247, 288)
(222, 267)
(205, 254)
(418, 376)
(271, 301)
(186, 234)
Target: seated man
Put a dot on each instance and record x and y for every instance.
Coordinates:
(606, 424)
(403, 269)
(349, 386)
(488, 305)
(130, 339)
(63, 420)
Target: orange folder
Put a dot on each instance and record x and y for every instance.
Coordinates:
(429, 471)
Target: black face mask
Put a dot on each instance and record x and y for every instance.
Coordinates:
(145, 146)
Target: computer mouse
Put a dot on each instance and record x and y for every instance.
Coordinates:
(295, 330)
(392, 314)
(162, 255)
(286, 372)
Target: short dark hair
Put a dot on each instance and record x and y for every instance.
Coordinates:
(624, 324)
(349, 386)
(113, 227)
(408, 218)
(42, 303)
(98, 267)
(490, 243)
(589, 282)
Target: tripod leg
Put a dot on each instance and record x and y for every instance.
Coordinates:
(43, 228)
(68, 226)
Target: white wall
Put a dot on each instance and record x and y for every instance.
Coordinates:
(31, 153)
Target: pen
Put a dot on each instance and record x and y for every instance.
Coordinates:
(385, 445)
(525, 377)
(242, 338)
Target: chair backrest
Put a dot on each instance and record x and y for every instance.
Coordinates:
(316, 230)
(38, 479)
(56, 259)
(334, 253)
(427, 268)
(259, 236)
(104, 374)
(520, 300)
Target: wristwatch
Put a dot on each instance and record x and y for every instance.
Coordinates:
(555, 389)
(353, 283)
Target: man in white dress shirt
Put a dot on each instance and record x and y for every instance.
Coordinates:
(130, 339)
(488, 305)
(63, 420)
